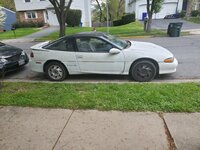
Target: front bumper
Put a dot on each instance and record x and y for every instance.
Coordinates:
(13, 65)
(166, 68)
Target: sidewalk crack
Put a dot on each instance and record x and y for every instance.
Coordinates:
(171, 143)
(63, 130)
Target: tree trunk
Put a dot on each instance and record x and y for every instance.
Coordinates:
(149, 22)
(61, 12)
(100, 17)
(62, 23)
(189, 7)
(62, 29)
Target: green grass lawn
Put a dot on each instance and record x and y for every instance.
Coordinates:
(20, 32)
(194, 19)
(183, 97)
(132, 29)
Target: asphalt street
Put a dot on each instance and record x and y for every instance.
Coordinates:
(186, 49)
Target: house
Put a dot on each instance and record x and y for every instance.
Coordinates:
(43, 11)
(140, 8)
(10, 18)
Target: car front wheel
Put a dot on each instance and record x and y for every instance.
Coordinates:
(56, 71)
(143, 71)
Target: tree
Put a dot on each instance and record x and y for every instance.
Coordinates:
(98, 10)
(2, 18)
(116, 10)
(9, 4)
(153, 7)
(190, 4)
(61, 9)
(121, 8)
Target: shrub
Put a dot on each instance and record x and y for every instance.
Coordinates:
(118, 22)
(74, 17)
(28, 24)
(195, 13)
(128, 18)
(182, 13)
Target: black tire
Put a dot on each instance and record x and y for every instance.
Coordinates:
(143, 71)
(55, 71)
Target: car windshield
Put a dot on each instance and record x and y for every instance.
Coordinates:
(121, 43)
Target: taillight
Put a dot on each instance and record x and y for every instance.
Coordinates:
(32, 55)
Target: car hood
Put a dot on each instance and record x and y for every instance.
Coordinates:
(8, 51)
(149, 49)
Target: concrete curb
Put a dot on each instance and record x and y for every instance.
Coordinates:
(118, 82)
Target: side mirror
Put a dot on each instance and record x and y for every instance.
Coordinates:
(114, 51)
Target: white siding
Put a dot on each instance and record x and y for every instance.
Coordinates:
(168, 7)
(33, 5)
(83, 5)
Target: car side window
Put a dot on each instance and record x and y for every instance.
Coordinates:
(83, 45)
(95, 45)
(62, 45)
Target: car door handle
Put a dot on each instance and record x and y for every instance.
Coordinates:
(79, 56)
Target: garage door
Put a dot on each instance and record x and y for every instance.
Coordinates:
(167, 9)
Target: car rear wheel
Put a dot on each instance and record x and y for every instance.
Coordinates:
(55, 71)
(143, 71)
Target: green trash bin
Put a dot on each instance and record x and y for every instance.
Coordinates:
(174, 29)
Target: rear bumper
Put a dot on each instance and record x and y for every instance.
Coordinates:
(36, 67)
(166, 68)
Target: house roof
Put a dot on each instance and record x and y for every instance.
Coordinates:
(7, 9)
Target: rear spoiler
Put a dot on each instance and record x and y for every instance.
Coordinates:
(39, 46)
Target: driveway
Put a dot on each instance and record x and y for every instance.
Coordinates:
(163, 24)
(186, 49)
(31, 37)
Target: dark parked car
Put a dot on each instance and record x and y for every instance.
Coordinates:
(11, 58)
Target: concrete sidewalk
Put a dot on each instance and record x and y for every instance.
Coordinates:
(49, 129)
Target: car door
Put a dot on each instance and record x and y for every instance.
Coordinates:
(64, 51)
(93, 56)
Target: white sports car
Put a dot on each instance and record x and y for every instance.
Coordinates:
(100, 53)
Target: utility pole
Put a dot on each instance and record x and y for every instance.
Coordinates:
(107, 16)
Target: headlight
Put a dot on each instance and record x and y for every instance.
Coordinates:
(23, 53)
(169, 60)
(3, 60)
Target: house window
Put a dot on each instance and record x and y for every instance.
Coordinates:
(27, 1)
(31, 15)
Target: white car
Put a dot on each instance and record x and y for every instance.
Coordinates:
(100, 53)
